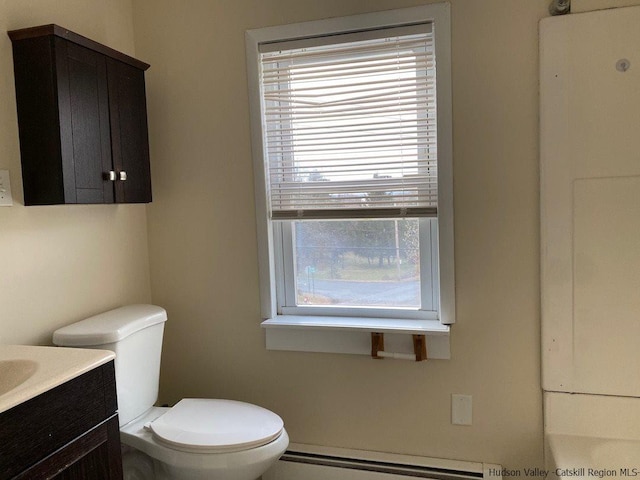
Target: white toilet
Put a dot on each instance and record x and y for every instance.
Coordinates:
(196, 439)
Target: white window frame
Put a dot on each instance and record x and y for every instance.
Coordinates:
(349, 334)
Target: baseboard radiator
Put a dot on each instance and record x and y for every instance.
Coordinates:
(304, 462)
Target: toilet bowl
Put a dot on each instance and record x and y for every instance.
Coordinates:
(144, 452)
(196, 439)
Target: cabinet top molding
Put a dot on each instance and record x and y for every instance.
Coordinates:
(58, 31)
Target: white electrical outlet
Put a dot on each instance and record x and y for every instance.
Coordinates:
(6, 200)
(461, 409)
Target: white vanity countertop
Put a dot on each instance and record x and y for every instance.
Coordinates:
(27, 371)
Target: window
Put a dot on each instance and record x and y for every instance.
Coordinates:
(351, 125)
(375, 268)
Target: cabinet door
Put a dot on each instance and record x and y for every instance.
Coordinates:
(84, 123)
(38, 121)
(129, 136)
(93, 456)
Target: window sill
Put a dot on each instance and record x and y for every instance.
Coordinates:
(352, 335)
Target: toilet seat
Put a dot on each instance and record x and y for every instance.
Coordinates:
(216, 426)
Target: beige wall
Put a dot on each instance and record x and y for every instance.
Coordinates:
(63, 263)
(203, 245)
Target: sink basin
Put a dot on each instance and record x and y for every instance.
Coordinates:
(26, 371)
(14, 373)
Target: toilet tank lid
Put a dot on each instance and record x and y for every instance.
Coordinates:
(109, 327)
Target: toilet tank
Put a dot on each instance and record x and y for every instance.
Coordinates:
(134, 333)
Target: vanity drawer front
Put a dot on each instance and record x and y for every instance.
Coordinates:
(35, 429)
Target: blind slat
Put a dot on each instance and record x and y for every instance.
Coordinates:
(354, 87)
(360, 213)
(374, 100)
(286, 132)
(347, 74)
(347, 47)
(405, 62)
(372, 133)
(357, 114)
(317, 189)
(351, 171)
(369, 56)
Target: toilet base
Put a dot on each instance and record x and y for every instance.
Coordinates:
(137, 465)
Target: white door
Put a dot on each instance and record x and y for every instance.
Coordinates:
(590, 201)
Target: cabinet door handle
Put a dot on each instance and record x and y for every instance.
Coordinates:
(123, 176)
(111, 176)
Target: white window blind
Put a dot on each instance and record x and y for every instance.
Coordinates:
(349, 125)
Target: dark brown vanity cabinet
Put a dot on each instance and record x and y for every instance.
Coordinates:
(68, 433)
(82, 119)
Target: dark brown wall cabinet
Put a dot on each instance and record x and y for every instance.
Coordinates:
(82, 117)
(68, 433)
